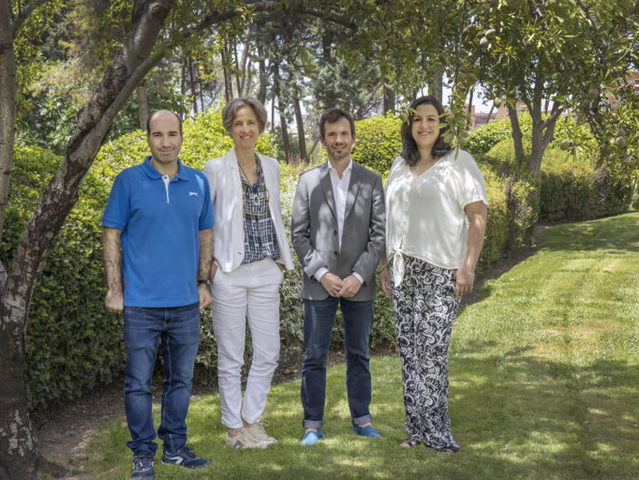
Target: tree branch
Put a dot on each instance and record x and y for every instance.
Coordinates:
(94, 121)
(298, 7)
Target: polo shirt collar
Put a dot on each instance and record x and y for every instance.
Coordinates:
(151, 172)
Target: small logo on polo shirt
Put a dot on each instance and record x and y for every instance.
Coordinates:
(192, 194)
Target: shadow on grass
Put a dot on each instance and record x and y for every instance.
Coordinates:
(612, 236)
(620, 233)
(516, 416)
(551, 419)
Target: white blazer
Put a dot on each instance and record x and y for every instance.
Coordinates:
(223, 175)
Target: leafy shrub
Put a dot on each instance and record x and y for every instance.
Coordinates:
(481, 140)
(567, 188)
(378, 143)
(72, 342)
(497, 221)
(613, 192)
(504, 152)
(523, 210)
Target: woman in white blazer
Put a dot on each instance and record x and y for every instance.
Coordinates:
(250, 252)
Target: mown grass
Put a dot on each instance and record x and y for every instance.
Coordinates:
(544, 384)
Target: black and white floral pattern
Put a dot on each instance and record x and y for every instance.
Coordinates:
(425, 309)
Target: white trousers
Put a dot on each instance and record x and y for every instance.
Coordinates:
(251, 292)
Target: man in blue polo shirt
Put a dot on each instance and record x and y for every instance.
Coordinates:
(158, 249)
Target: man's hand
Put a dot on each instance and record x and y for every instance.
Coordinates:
(464, 277)
(114, 302)
(332, 283)
(350, 287)
(204, 295)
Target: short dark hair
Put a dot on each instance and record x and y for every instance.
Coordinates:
(148, 121)
(230, 110)
(410, 152)
(332, 115)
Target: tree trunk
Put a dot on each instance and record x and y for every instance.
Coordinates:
(388, 104)
(435, 87)
(469, 122)
(261, 96)
(7, 106)
(542, 130)
(143, 106)
(300, 128)
(228, 81)
(17, 439)
(283, 127)
(286, 144)
(490, 112)
(193, 85)
(516, 133)
(542, 134)
(18, 443)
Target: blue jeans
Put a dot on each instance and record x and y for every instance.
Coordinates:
(179, 330)
(319, 317)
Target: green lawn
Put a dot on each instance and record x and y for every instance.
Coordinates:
(544, 384)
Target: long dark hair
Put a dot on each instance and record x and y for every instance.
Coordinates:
(410, 152)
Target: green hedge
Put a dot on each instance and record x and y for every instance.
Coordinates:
(378, 143)
(73, 343)
(569, 186)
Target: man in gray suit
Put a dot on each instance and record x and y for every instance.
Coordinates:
(338, 233)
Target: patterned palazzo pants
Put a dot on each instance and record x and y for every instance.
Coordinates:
(425, 308)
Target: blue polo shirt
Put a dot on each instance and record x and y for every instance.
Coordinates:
(160, 220)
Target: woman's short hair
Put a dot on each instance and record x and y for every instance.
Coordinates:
(332, 115)
(410, 152)
(231, 108)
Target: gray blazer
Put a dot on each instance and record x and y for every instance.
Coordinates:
(314, 229)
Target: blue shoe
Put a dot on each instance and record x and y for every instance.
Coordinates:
(143, 467)
(368, 431)
(311, 437)
(184, 457)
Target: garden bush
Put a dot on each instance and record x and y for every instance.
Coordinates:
(378, 143)
(567, 188)
(482, 139)
(73, 343)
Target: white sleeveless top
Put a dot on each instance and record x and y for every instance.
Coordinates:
(425, 215)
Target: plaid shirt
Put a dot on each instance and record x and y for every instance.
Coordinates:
(260, 240)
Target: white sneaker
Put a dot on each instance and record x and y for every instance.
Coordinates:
(256, 430)
(243, 440)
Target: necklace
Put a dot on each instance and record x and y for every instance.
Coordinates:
(256, 198)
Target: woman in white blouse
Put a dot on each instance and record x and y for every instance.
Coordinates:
(436, 210)
(250, 250)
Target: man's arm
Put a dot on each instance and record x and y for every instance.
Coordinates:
(465, 276)
(111, 248)
(310, 259)
(204, 266)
